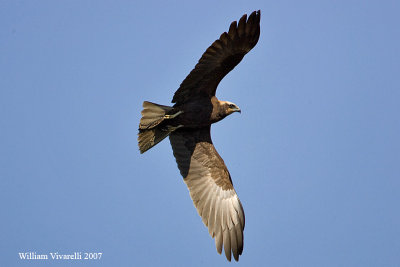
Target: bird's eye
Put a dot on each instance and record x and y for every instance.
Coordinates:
(231, 106)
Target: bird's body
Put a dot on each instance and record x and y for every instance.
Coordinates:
(188, 124)
(200, 113)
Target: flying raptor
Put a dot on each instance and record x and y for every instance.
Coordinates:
(188, 123)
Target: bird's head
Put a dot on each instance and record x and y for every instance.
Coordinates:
(230, 107)
(221, 109)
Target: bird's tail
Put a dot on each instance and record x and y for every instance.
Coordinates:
(150, 131)
(152, 115)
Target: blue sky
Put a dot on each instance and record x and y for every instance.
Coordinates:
(314, 156)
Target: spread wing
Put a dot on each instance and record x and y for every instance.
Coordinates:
(220, 58)
(210, 188)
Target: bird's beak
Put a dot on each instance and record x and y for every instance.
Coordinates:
(237, 110)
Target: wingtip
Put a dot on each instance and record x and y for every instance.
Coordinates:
(257, 14)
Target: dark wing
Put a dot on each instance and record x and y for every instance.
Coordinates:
(220, 58)
(210, 188)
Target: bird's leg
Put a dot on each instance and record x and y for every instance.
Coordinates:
(167, 117)
(170, 128)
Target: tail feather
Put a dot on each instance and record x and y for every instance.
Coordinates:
(150, 132)
(152, 115)
(149, 138)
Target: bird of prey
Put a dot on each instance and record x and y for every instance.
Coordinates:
(188, 123)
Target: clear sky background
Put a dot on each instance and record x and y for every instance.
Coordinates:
(314, 156)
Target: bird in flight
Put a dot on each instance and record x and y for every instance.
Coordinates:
(188, 123)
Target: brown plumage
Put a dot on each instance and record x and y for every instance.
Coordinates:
(188, 125)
